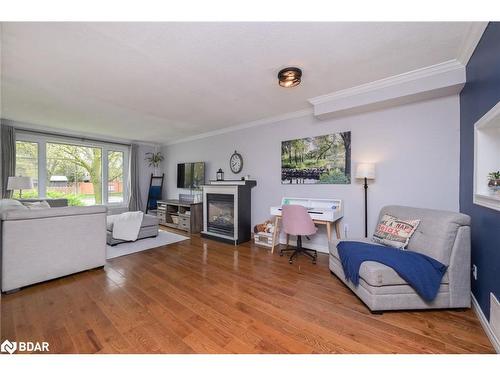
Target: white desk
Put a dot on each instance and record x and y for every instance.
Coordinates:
(322, 211)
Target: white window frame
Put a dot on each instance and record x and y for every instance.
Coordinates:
(42, 141)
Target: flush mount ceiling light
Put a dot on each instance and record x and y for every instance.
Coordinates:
(289, 77)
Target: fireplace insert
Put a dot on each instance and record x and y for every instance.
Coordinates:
(220, 214)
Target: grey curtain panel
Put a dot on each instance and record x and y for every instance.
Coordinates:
(8, 157)
(135, 202)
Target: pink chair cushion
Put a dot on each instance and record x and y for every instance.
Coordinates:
(296, 221)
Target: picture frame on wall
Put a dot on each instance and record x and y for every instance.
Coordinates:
(324, 159)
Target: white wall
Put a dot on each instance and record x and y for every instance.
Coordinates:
(415, 146)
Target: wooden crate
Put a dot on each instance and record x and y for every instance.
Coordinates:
(264, 239)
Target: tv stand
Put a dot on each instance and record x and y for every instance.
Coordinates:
(184, 216)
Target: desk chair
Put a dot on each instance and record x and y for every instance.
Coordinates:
(297, 222)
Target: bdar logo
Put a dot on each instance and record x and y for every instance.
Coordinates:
(24, 346)
(8, 347)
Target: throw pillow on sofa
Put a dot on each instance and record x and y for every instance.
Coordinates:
(36, 205)
(11, 204)
(395, 232)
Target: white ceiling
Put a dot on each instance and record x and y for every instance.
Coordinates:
(159, 82)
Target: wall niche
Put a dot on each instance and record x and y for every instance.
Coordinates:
(487, 159)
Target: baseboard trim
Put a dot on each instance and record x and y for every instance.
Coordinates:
(486, 325)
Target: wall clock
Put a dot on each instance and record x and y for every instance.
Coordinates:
(236, 162)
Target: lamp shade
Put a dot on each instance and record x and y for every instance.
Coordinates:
(19, 183)
(365, 170)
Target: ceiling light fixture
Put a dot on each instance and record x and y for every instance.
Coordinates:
(289, 77)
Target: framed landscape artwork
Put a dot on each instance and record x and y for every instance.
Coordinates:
(324, 159)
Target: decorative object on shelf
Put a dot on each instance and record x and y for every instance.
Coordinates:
(236, 162)
(324, 159)
(289, 77)
(366, 171)
(19, 183)
(220, 175)
(494, 182)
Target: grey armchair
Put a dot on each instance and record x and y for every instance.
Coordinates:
(442, 235)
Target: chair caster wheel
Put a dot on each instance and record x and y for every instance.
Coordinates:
(290, 261)
(314, 262)
(281, 254)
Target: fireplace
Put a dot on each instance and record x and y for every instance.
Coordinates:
(227, 211)
(220, 214)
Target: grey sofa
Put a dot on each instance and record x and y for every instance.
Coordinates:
(442, 235)
(150, 226)
(43, 244)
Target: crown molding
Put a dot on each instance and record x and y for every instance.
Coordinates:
(246, 125)
(434, 81)
(472, 38)
(410, 76)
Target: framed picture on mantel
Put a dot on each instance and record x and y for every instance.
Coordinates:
(325, 159)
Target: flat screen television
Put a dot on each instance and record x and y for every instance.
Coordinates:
(190, 175)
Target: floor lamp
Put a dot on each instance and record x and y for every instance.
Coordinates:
(366, 171)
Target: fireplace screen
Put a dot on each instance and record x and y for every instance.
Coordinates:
(220, 215)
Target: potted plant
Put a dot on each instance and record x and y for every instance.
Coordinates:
(494, 181)
(154, 159)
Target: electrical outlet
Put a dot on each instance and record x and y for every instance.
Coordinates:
(474, 271)
(346, 230)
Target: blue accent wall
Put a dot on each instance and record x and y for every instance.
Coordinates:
(480, 94)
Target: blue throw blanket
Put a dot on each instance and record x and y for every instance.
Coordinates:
(423, 273)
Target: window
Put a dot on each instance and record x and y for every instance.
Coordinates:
(75, 173)
(115, 177)
(27, 165)
(86, 173)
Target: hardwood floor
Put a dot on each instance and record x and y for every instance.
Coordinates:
(202, 296)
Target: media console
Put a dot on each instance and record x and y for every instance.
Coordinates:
(180, 215)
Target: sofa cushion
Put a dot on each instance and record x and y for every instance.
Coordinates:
(377, 274)
(53, 202)
(436, 233)
(147, 221)
(27, 214)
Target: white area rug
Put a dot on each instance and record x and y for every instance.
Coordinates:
(163, 238)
